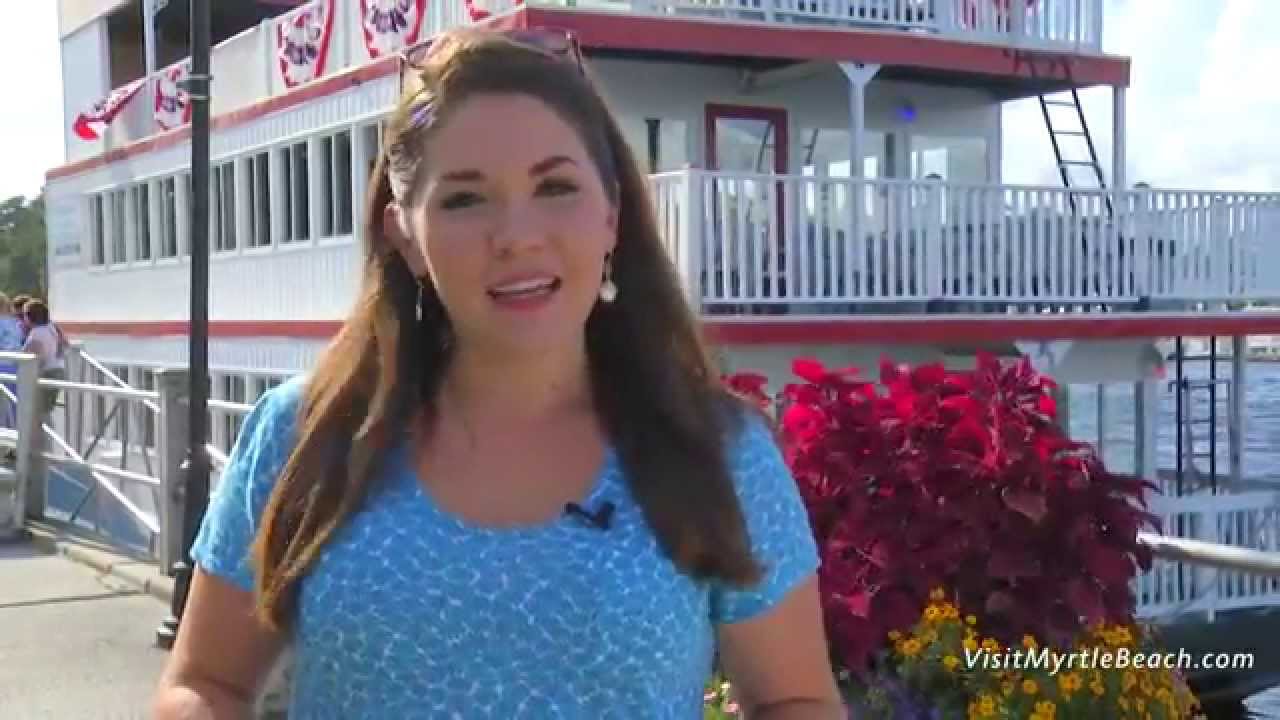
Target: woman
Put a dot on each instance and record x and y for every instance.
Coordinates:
(11, 341)
(514, 486)
(47, 343)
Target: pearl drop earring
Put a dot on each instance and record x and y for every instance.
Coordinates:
(608, 290)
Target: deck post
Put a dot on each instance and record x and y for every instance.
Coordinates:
(1101, 405)
(690, 249)
(171, 450)
(1119, 156)
(859, 76)
(31, 465)
(1146, 420)
(1237, 413)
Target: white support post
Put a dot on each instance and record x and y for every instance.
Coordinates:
(171, 453)
(689, 251)
(30, 499)
(859, 76)
(1238, 414)
(1119, 177)
(1146, 420)
(1101, 445)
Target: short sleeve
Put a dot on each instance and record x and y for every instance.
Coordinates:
(777, 523)
(261, 450)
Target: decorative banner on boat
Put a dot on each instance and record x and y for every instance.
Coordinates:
(173, 104)
(390, 25)
(90, 124)
(302, 42)
(479, 10)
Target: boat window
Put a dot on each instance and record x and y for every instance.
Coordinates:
(825, 152)
(168, 218)
(119, 241)
(97, 231)
(335, 185)
(295, 202)
(140, 219)
(961, 160)
(258, 177)
(222, 207)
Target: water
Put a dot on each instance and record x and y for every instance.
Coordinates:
(1261, 440)
(1262, 423)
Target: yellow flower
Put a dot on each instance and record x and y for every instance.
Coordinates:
(911, 647)
(951, 662)
(970, 644)
(894, 635)
(970, 620)
(1070, 682)
(949, 611)
(1128, 681)
(986, 705)
(1098, 688)
(1030, 686)
(1046, 708)
(932, 613)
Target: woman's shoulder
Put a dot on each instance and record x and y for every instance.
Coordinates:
(269, 430)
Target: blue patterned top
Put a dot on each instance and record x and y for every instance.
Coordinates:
(411, 612)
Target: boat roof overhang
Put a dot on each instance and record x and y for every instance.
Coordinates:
(1004, 71)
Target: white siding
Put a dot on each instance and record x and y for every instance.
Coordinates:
(300, 281)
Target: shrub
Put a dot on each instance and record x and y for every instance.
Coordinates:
(956, 479)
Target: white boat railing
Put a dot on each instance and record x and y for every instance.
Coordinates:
(246, 67)
(747, 239)
(1176, 585)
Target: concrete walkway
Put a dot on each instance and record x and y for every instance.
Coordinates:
(75, 642)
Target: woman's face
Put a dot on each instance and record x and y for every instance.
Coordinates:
(511, 223)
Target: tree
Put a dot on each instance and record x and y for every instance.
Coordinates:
(22, 247)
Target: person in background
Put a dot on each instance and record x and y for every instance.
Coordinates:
(47, 343)
(19, 305)
(515, 486)
(11, 341)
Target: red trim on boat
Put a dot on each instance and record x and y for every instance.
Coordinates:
(664, 34)
(880, 329)
(890, 48)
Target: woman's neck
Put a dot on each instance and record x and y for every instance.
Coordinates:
(517, 389)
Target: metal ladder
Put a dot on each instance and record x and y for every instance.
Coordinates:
(1196, 423)
(1071, 135)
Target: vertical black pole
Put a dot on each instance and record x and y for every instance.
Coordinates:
(1213, 414)
(195, 494)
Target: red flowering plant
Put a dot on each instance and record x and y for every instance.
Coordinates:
(955, 479)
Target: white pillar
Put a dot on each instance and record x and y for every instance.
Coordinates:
(1102, 421)
(1238, 411)
(1146, 403)
(859, 76)
(1119, 178)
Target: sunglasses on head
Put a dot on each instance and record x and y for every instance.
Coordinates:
(560, 44)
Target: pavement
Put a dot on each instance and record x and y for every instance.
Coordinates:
(77, 630)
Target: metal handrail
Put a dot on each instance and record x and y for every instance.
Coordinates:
(1216, 555)
(126, 393)
(93, 363)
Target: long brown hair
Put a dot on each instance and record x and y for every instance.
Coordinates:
(654, 385)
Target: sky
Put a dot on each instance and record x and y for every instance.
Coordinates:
(1200, 113)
